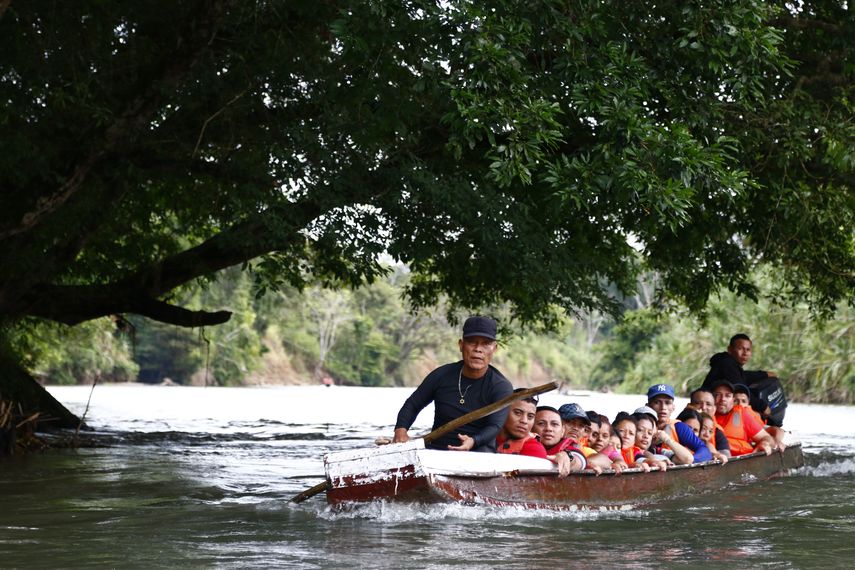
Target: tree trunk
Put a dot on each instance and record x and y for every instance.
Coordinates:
(17, 385)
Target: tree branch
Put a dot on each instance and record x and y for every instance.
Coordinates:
(138, 293)
(74, 304)
(239, 243)
(171, 314)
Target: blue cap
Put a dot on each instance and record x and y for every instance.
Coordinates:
(480, 326)
(572, 412)
(660, 390)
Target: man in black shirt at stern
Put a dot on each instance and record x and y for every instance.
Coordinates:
(459, 388)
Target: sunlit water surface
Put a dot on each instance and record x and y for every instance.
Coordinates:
(201, 477)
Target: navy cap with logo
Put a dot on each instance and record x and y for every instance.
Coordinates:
(660, 390)
(573, 412)
(480, 326)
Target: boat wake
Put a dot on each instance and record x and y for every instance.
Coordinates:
(832, 468)
(389, 512)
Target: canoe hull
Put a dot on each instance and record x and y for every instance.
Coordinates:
(422, 476)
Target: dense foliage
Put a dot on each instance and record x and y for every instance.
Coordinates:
(377, 342)
(509, 151)
(528, 155)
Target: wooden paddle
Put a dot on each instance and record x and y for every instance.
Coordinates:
(450, 426)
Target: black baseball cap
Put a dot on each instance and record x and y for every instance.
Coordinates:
(722, 382)
(480, 326)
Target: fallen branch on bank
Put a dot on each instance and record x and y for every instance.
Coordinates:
(18, 430)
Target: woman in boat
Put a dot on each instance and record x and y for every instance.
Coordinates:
(607, 444)
(625, 427)
(692, 419)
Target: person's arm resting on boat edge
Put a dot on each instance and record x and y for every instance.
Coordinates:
(418, 400)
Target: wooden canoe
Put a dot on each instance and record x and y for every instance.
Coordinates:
(408, 472)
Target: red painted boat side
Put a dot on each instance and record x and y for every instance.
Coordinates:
(581, 490)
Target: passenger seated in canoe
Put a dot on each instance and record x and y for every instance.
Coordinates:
(742, 397)
(660, 397)
(625, 427)
(595, 432)
(600, 441)
(744, 434)
(730, 366)
(703, 401)
(576, 426)
(645, 432)
(559, 450)
(516, 436)
(692, 419)
(459, 388)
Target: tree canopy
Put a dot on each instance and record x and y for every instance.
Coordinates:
(538, 154)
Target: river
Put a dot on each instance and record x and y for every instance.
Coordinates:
(201, 477)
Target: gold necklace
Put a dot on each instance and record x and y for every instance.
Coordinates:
(460, 389)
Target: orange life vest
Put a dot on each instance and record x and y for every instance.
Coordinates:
(755, 415)
(513, 446)
(671, 423)
(734, 429)
(629, 455)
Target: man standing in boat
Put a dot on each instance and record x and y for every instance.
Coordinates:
(459, 388)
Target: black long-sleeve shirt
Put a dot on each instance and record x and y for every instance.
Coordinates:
(441, 387)
(723, 366)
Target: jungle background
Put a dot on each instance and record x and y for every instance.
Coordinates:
(369, 336)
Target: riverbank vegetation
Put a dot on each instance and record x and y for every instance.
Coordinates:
(368, 337)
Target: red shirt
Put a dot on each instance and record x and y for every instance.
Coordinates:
(561, 446)
(532, 447)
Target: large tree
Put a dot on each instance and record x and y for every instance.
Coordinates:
(538, 154)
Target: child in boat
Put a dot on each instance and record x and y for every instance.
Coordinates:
(645, 436)
(604, 441)
(596, 439)
(625, 427)
(709, 431)
(742, 397)
(592, 432)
